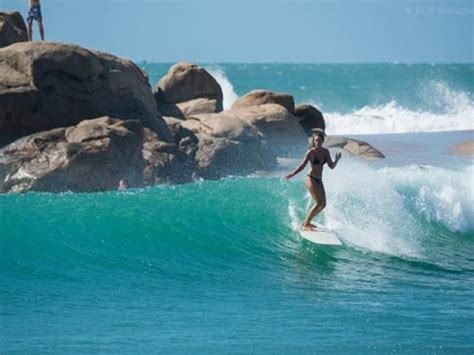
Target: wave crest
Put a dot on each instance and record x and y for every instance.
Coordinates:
(227, 88)
(451, 111)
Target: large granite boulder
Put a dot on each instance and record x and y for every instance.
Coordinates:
(187, 89)
(48, 85)
(92, 156)
(242, 141)
(354, 147)
(310, 118)
(262, 97)
(12, 28)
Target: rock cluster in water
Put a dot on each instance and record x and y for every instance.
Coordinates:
(82, 120)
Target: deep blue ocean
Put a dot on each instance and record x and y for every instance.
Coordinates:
(219, 266)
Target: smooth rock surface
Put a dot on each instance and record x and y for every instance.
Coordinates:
(48, 85)
(188, 89)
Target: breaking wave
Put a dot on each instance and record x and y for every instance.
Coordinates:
(393, 209)
(227, 89)
(451, 111)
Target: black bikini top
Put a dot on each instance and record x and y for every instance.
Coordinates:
(316, 161)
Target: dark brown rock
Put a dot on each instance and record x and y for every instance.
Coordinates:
(12, 28)
(184, 138)
(310, 118)
(92, 156)
(48, 85)
(262, 97)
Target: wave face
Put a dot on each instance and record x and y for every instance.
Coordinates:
(361, 98)
(214, 265)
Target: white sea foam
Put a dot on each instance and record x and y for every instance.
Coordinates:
(293, 213)
(387, 210)
(439, 195)
(227, 89)
(452, 111)
(367, 211)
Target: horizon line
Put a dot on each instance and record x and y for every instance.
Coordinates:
(146, 61)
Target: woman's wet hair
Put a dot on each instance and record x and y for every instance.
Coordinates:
(321, 135)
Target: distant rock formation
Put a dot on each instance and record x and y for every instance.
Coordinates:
(354, 147)
(12, 28)
(48, 85)
(186, 90)
(464, 148)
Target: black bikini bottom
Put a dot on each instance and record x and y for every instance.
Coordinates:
(317, 181)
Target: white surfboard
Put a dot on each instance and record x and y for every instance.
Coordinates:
(321, 236)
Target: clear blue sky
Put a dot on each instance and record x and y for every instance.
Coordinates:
(263, 30)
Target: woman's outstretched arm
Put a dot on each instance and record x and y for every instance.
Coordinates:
(332, 164)
(300, 167)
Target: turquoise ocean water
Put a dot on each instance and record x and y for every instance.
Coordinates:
(218, 266)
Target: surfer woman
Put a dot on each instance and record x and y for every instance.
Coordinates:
(317, 156)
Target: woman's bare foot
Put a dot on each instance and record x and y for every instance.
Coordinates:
(308, 227)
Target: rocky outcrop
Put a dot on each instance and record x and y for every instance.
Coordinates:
(12, 28)
(186, 90)
(241, 141)
(464, 148)
(49, 85)
(51, 94)
(263, 97)
(310, 118)
(92, 156)
(354, 147)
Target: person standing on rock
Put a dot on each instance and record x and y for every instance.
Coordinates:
(317, 156)
(34, 13)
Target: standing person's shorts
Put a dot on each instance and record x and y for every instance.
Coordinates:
(34, 14)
